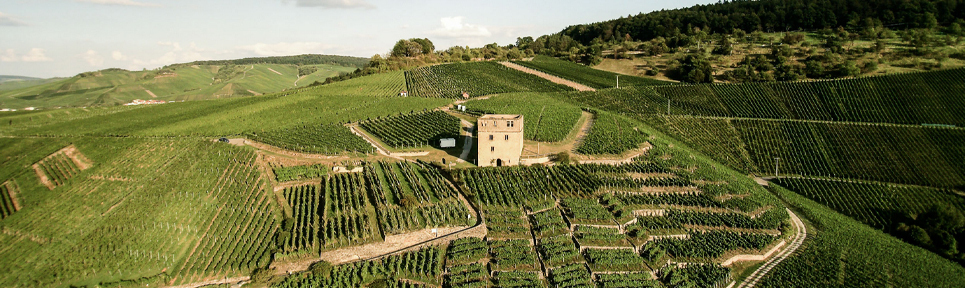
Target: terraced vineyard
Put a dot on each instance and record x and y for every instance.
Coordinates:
(414, 129)
(474, 78)
(585, 75)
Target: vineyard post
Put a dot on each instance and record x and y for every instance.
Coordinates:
(777, 160)
(618, 81)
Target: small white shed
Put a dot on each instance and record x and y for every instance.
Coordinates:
(447, 142)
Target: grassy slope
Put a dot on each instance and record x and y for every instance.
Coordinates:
(352, 100)
(196, 82)
(546, 119)
(841, 252)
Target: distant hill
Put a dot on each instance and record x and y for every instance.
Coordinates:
(187, 81)
(10, 78)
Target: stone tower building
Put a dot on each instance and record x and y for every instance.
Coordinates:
(500, 140)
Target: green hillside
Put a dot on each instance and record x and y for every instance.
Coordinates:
(181, 82)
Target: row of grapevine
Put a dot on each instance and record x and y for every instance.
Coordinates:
(571, 276)
(585, 75)
(611, 134)
(517, 279)
(306, 203)
(57, 168)
(413, 129)
(506, 223)
(411, 196)
(712, 244)
(284, 174)
(902, 98)
(771, 219)
(474, 78)
(8, 200)
(599, 236)
(329, 139)
(614, 260)
(558, 251)
(465, 250)
(548, 223)
(423, 265)
(586, 211)
(627, 280)
(512, 255)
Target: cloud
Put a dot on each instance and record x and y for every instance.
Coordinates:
(8, 20)
(454, 28)
(177, 54)
(119, 3)
(93, 58)
(336, 4)
(117, 55)
(9, 56)
(284, 48)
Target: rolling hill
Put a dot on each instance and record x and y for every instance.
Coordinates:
(189, 81)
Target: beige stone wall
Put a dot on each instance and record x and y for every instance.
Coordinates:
(500, 140)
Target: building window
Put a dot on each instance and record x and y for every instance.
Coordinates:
(509, 123)
(490, 137)
(507, 137)
(492, 149)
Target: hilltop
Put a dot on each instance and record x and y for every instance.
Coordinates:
(188, 81)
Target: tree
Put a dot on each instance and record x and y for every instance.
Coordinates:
(692, 68)
(321, 269)
(426, 45)
(723, 47)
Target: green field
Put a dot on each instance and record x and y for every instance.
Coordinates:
(547, 119)
(846, 253)
(176, 83)
(474, 78)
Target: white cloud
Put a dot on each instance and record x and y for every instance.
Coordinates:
(93, 58)
(284, 48)
(177, 54)
(338, 4)
(8, 56)
(453, 27)
(35, 55)
(9, 20)
(119, 3)
(117, 55)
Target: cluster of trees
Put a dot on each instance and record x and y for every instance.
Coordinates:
(939, 229)
(773, 15)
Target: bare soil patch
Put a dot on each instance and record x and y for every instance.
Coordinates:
(548, 77)
(12, 191)
(276, 72)
(150, 93)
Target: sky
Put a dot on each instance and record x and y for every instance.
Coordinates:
(61, 38)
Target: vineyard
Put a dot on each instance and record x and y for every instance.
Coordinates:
(324, 139)
(414, 129)
(285, 174)
(8, 199)
(474, 78)
(829, 256)
(208, 214)
(56, 169)
(585, 75)
(549, 120)
(611, 134)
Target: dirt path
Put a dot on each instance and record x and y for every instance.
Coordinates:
(299, 79)
(213, 282)
(150, 93)
(548, 77)
(802, 233)
(273, 70)
(467, 145)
